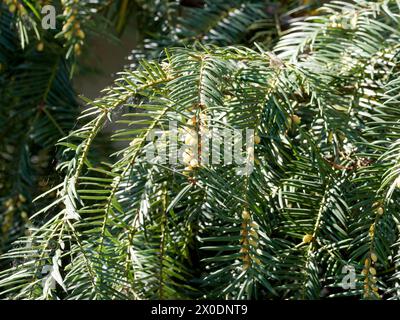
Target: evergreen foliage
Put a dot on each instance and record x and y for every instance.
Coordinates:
(322, 97)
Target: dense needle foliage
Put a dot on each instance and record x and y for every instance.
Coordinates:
(321, 92)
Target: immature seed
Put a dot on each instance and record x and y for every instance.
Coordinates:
(244, 250)
(364, 272)
(372, 271)
(254, 233)
(21, 198)
(308, 238)
(40, 46)
(77, 49)
(253, 243)
(296, 119)
(246, 215)
(188, 168)
(194, 163)
(12, 8)
(66, 27)
(80, 34)
(190, 140)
